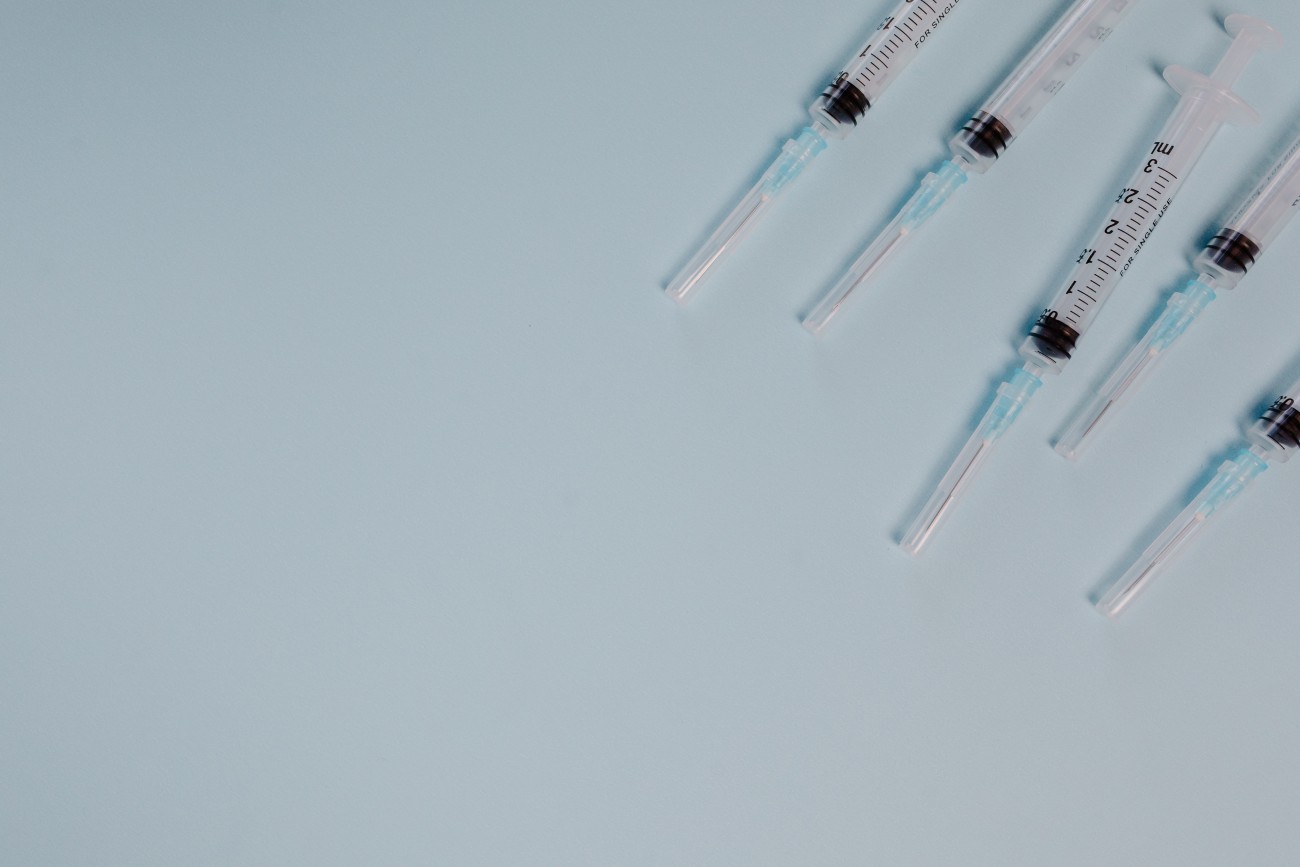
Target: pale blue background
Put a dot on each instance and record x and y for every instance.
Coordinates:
(364, 500)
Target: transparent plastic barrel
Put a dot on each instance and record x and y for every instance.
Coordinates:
(1256, 224)
(1125, 231)
(1207, 103)
(898, 40)
(1040, 76)
(1274, 203)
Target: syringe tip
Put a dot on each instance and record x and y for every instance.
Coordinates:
(1068, 452)
(815, 327)
(1079, 433)
(945, 496)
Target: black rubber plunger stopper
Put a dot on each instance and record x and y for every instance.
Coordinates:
(1232, 251)
(986, 135)
(1283, 424)
(844, 102)
(1054, 338)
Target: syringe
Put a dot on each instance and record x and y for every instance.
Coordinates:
(977, 145)
(1207, 102)
(1221, 265)
(834, 115)
(1274, 437)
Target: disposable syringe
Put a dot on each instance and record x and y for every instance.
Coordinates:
(1207, 102)
(1274, 437)
(977, 145)
(1223, 263)
(835, 113)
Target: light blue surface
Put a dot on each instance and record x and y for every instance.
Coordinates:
(365, 501)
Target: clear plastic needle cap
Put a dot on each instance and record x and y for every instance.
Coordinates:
(1011, 399)
(1181, 312)
(795, 156)
(1233, 478)
(934, 191)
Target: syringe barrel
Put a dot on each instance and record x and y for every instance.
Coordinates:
(1124, 232)
(869, 74)
(1256, 224)
(1207, 103)
(1039, 76)
(1278, 428)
